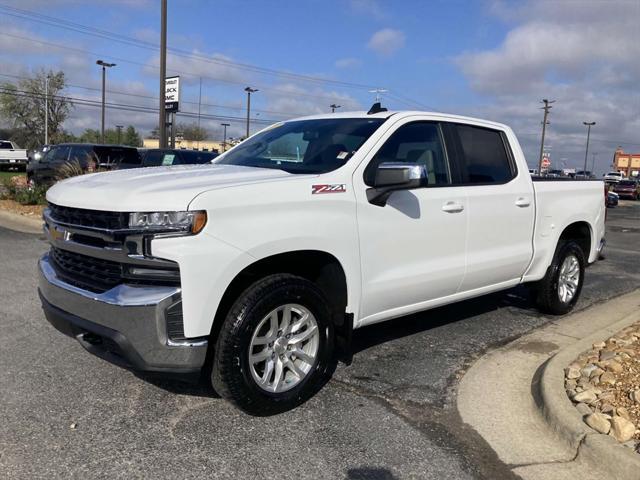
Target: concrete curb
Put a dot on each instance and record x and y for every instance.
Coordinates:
(20, 223)
(566, 421)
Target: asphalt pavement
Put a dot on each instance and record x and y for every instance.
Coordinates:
(390, 415)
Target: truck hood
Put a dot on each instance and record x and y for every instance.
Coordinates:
(153, 188)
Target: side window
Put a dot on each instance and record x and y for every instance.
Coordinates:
(58, 155)
(153, 158)
(419, 142)
(84, 156)
(485, 158)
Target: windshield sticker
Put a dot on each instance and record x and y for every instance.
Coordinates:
(342, 155)
(328, 188)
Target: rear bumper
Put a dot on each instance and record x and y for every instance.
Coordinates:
(13, 161)
(125, 325)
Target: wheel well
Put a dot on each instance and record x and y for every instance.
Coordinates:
(322, 268)
(579, 232)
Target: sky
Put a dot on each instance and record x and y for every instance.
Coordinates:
(493, 59)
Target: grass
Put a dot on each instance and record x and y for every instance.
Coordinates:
(8, 175)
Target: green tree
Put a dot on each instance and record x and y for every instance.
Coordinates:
(191, 131)
(24, 104)
(132, 137)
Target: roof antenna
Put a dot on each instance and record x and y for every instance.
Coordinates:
(376, 108)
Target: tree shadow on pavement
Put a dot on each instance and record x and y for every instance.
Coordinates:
(370, 473)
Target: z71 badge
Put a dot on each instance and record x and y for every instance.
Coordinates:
(329, 188)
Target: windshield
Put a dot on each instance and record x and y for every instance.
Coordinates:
(629, 183)
(305, 146)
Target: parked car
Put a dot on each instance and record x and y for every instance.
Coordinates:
(11, 156)
(627, 189)
(36, 154)
(533, 171)
(256, 267)
(555, 173)
(612, 199)
(584, 175)
(87, 157)
(157, 157)
(613, 176)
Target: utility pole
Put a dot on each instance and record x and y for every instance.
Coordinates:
(546, 108)
(224, 141)
(119, 129)
(249, 91)
(586, 153)
(162, 119)
(46, 109)
(104, 66)
(378, 92)
(199, 103)
(333, 107)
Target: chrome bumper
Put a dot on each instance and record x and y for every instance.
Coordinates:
(125, 325)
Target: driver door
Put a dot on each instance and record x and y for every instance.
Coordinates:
(412, 249)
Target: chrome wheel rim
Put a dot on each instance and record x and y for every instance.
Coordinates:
(569, 279)
(283, 348)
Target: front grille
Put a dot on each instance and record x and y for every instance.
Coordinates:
(98, 275)
(89, 218)
(88, 273)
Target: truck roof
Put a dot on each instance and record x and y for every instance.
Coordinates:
(403, 113)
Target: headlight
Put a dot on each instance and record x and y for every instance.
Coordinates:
(190, 222)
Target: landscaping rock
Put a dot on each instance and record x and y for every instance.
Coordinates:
(572, 373)
(586, 396)
(583, 409)
(622, 429)
(598, 422)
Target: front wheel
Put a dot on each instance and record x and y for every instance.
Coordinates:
(559, 290)
(275, 345)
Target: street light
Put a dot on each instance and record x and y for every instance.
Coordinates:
(586, 153)
(104, 66)
(224, 141)
(333, 107)
(249, 91)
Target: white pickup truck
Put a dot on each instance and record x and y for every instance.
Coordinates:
(11, 155)
(252, 269)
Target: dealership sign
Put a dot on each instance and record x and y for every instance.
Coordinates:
(172, 94)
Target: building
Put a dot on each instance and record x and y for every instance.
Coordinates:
(206, 145)
(627, 163)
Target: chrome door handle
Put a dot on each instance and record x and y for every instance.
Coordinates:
(452, 207)
(523, 202)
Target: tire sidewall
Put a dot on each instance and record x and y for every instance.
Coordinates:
(246, 314)
(570, 248)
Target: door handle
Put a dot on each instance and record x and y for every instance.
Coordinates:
(452, 207)
(523, 202)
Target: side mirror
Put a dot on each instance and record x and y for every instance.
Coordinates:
(392, 176)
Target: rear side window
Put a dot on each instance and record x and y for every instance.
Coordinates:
(485, 157)
(195, 158)
(58, 154)
(153, 158)
(116, 156)
(5, 146)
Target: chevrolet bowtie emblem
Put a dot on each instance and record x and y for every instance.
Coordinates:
(60, 234)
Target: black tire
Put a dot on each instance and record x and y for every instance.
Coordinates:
(230, 373)
(548, 299)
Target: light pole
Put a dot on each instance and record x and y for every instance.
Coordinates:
(586, 153)
(104, 66)
(224, 141)
(249, 91)
(46, 109)
(119, 129)
(162, 119)
(333, 107)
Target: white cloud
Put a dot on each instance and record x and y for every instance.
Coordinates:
(371, 8)
(386, 42)
(348, 62)
(585, 58)
(295, 100)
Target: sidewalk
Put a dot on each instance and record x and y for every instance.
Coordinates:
(20, 223)
(514, 398)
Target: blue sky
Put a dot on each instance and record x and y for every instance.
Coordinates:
(488, 58)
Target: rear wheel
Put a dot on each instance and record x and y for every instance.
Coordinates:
(275, 345)
(559, 290)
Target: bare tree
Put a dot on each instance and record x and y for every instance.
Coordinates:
(23, 104)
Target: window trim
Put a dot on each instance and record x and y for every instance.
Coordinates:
(461, 162)
(439, 125)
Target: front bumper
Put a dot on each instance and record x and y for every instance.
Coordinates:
(126, 325)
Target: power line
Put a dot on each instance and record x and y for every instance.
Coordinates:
(109, 35)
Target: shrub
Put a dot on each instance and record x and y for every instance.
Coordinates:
(68, 170)
(23, 193)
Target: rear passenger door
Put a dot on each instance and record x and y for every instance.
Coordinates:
(501, 206)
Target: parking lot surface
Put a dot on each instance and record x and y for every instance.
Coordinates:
(390, 415)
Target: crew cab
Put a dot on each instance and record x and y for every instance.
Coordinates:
(11, 155)
(255, 270)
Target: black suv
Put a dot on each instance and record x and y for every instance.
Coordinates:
(158, 156)
(88, 157)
